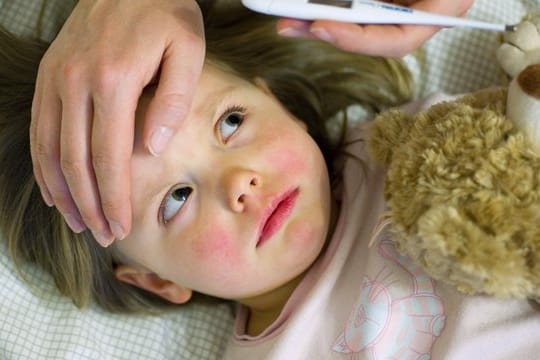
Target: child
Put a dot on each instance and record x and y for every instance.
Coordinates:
(139, 41)
(253, 201)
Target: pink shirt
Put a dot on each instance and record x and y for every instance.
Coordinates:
(367, 302)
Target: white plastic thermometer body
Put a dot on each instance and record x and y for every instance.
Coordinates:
(362, 12)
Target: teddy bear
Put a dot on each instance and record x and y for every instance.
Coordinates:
(463, 179)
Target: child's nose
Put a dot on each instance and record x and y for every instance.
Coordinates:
(241, 187)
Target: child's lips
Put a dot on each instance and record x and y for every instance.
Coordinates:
(277, 213)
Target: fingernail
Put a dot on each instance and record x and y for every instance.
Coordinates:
(74, 223)
(47, 197)
(117, 230)
(292, 32)
(102, 239)
(159, 140)
(322, 34)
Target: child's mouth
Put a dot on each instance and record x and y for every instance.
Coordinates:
(276, 215)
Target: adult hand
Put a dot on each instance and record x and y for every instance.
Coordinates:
(87, 90)
(382, 40)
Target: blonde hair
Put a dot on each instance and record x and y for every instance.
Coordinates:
(312, 79)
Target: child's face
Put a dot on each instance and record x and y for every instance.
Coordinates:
(239, 202)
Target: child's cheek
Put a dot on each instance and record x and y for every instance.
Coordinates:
(215, 246)
(285, 161)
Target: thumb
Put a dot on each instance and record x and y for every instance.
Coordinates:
(172, 98)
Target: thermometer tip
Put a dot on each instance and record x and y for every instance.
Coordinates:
(510, 28)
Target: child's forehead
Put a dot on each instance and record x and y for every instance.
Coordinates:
(217, 85)
(216, 82)
(218, 71)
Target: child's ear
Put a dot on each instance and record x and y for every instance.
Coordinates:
(151, 282)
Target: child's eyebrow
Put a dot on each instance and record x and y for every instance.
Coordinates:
(208, 107)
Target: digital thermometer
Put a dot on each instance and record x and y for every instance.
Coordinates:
(363, 12)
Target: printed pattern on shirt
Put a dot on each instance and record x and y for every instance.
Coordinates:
(398, 314)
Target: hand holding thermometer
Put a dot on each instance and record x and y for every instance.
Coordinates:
(363, 12)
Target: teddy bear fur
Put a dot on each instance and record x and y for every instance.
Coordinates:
(463, 192)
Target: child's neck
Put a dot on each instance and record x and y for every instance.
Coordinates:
(265, 309)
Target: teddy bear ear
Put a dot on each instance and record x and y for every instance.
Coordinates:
(389, 130)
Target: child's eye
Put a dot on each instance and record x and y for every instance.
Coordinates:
(230, 121)
(173, 202)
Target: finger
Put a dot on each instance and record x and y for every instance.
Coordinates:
(76, 162)
(174, 93)
(387, 40)
(294, 28)
(47, 153)
(36, 106)
(112, 146)
(381, 39)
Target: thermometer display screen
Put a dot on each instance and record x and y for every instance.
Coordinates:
(337, 3)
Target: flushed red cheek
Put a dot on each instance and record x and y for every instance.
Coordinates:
(215, 246)
(287, 162)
